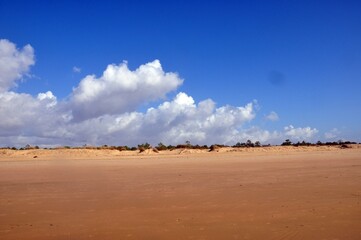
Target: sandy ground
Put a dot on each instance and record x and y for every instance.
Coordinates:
(270, 193)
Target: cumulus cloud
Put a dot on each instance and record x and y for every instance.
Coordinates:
(49, 98)
(121, 90)
(171, 122)
(22, 114)
(182, 119)
(272, 116)
(305, 133)
(14, 63)
(103, 110)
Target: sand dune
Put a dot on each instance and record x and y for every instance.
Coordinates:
(81, 153)
(254, 193)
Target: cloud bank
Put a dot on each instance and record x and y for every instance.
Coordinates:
(102, 110)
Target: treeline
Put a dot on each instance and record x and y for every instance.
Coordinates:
(188, 145)
(341, 143)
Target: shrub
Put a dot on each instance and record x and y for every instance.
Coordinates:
(238, 145)
(122, 148)
(171, 147)
(144, 145)
(287, 142)
(249, 143)
(161, 147)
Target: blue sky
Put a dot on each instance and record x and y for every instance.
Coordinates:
(300, 60)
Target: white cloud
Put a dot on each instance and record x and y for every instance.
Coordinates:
(305, 133)
(171, 122)
(121, 90)
(23, 114)
(103, 110)
(258, 134)
(76, 69)
(49, 98)
(272, 116)
(182, 120)
(14, 63)
(333, 134)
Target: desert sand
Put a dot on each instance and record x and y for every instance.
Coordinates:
(258, 193)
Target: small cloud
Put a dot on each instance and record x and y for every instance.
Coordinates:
(272, 116)
(76, 69)
(333, 134)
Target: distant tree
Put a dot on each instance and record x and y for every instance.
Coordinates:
(171, 147)
(122, 148)
(238, 144)
(144, 145)
(161, 147)
(287, 142)
(257, 144)
(249, 143)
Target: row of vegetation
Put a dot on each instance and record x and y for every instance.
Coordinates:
(318, 143)
(188, 145)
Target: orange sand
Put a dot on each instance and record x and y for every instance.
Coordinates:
(265, 193)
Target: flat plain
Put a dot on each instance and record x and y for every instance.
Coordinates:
(263, 193)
